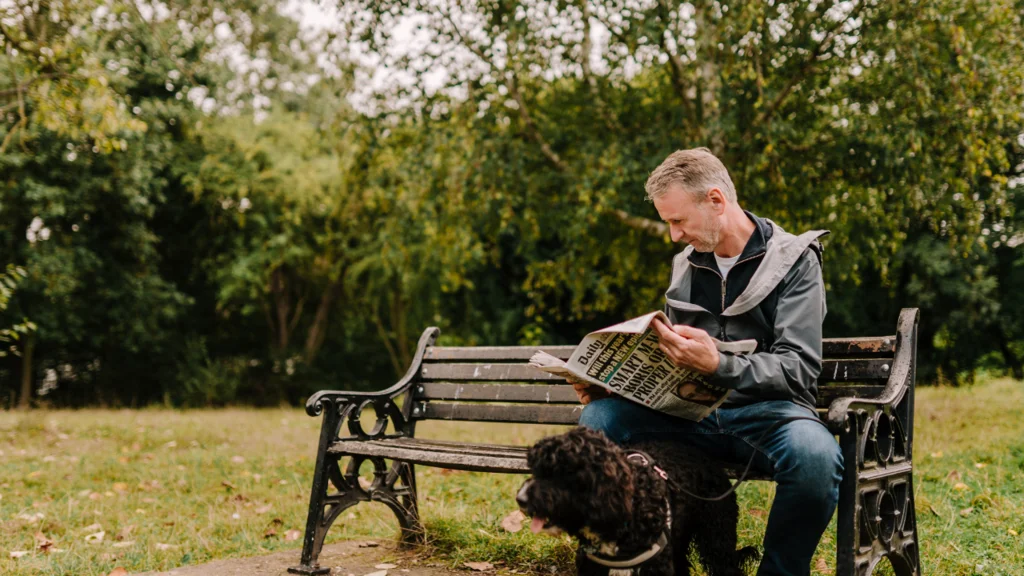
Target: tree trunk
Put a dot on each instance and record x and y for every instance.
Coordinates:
(318, 330)
(282, 306)
(26, 371)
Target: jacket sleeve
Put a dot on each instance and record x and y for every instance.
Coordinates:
(793, 362)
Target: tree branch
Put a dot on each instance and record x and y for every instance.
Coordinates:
(641, 223)
(586, 46)
(675, 64)
(801, 74)
(511, 82)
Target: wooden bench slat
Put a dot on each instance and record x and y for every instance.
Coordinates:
(486, 373)
(497, 461)
(492, 353)
(525, 414)
(449, 445)
(863, 347)
(487, 458)
(832, 370)
(533, 393)
(826, 394)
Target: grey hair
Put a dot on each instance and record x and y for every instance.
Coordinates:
(696, 171)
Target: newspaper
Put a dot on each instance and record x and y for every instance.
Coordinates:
(625, 359)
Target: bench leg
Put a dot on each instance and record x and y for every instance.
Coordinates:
(876, 517)
(398, 491)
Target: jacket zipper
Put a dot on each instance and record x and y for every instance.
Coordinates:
(721, 325)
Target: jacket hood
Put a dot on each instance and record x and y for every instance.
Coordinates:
(781, 251)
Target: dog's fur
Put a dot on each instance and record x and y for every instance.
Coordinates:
(583, 484)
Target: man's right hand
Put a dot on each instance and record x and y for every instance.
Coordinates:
(588, 392)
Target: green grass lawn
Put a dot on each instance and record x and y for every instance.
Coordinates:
(168, 488)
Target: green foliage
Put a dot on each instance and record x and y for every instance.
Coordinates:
(11, 333)
(185, 173)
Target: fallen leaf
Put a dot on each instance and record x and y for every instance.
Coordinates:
(385, 566)
(171, 444)
(292, 535)
(967, 511)
(980, 465)
(934, 511)
(822, 566)
(479, 566)
(238, 459)
(368, 544)
(953, 475)
(758, 512)
(43, 544)
(31, 518)
(93, 527)
(960, 486)
(120, 487)
(95, 537)
(125, 532)
(124, 544)
(1011, 532)
(937, 454)
(379, 573)
(228, 485)
(513, 522)
(118, 572)
(364, 483)
(263, 509)
(18, 553)
(270, 533)
(160, 546)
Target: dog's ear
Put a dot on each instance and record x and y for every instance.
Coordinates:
(583, 456)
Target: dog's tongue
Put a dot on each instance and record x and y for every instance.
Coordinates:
(536, 525)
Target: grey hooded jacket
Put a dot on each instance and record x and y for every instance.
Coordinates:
(781, 305)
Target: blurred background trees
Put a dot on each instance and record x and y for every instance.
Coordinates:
(247, 201)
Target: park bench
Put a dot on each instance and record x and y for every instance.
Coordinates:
(865, 395)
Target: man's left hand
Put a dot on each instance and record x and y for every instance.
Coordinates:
(688, 347)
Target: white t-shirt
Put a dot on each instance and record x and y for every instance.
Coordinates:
(725, 264)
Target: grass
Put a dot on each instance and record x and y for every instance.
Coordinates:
(169, 488)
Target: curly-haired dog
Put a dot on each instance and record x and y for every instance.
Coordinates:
(627, 507)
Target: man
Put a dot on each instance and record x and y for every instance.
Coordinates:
(741, 277)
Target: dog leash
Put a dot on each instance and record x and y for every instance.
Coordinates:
(746, 471)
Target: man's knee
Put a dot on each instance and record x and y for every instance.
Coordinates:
(607, 415)
(812, 460)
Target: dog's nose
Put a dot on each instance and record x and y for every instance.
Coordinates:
(521, 497)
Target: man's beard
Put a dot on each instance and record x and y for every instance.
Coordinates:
(710, 236)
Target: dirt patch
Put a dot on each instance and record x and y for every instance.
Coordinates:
(355, 558)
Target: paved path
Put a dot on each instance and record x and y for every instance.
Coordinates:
(353, 558)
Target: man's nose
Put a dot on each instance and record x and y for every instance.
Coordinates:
(675, 233)
(521, 497)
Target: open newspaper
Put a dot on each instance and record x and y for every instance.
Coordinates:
(625, 359)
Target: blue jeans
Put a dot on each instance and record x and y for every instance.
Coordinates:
(801, 456)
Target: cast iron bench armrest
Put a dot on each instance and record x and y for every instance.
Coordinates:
(348, 405)
(896, 386)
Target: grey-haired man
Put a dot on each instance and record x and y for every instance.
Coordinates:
(742, 277)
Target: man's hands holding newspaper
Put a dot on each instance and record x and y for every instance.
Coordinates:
(684, 345)
(588, 392)
(688, 347)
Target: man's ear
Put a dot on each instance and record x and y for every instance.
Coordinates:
(717, 201)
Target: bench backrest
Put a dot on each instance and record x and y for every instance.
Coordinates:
(495, 384)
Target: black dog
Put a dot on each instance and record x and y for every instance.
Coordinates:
(627, 506)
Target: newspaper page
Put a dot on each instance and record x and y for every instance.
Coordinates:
(625, 359)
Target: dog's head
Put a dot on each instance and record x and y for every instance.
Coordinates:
(579, 481)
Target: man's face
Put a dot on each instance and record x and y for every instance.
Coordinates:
(689, 221)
